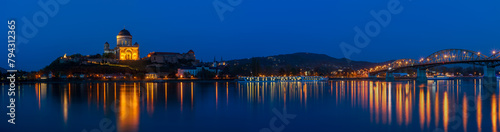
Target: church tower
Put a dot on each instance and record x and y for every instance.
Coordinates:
(106, 46)
(107, 50)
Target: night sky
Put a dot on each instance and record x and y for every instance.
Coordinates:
(254, 28)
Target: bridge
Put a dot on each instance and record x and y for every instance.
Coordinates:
(442, 57)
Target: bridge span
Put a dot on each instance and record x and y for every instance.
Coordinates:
(442, 57)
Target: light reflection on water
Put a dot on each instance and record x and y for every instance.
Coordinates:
(451, 105)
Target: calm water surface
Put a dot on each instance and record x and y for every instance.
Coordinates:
(452, 105)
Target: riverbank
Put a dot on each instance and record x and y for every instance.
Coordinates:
(398, 78)
(144, 81)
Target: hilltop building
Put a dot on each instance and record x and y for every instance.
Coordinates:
(124, 49)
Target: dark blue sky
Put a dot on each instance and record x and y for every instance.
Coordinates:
(255, 28)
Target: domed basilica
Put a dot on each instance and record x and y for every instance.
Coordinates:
(124, 49)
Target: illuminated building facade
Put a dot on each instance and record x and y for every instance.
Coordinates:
(124, 49)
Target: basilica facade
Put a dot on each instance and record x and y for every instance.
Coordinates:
(124, 49)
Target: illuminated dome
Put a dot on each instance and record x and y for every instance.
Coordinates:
(124, 32)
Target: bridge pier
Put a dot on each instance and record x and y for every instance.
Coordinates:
(389, 77)
(490, 80)
(489, 71)
(421, 75)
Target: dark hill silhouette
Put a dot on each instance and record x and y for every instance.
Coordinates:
(302, 59)
(292, 64)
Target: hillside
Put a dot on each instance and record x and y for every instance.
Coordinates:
(296, 62)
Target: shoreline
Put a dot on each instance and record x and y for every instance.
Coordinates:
(145, 81)
(201, 80)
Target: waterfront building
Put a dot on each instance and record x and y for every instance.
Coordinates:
(151, 76)
(181, 72)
